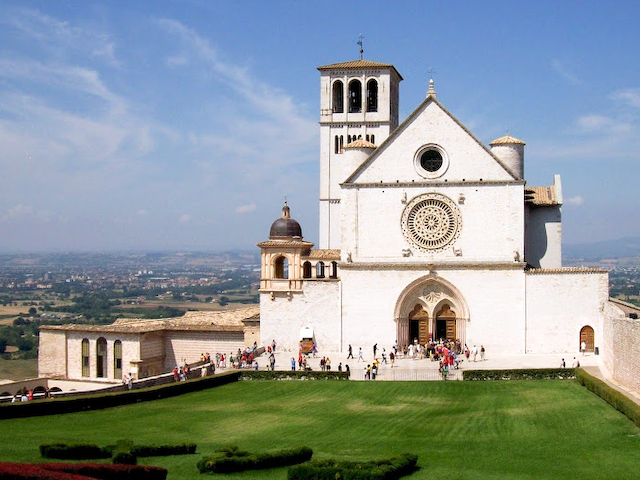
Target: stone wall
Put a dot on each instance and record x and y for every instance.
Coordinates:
(187, 346)
(52, 356)
(623, 358)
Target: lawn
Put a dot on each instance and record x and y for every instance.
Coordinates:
(462, 430)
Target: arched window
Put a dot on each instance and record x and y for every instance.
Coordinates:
(341, 143)
(320, 270)
(338, 97)
(373, 139)
(282, 267)
(117, 359)
(336, 147)
(306, 270)
(85, 357)
(101, 357)
(372, 96)
(355, 96)
(334, 269)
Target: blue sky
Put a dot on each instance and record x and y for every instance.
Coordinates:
(163, 125)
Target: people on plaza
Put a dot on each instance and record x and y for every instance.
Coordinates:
(360, 357)
(350, 352)
(583, 347)
(482, 351)
(293, 364)
(562, 364)
(392, 358)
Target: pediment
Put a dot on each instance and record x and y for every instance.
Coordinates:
(431, 128)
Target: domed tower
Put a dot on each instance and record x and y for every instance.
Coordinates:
(281, 265)
(510, 151)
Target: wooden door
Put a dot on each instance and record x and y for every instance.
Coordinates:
(587, 336)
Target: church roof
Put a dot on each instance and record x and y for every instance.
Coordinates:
(356, 64)
(507, 140)
(541, 196)
(360, 144)
(323, 254)
(227, 320)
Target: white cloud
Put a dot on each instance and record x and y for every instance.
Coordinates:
(564, 72)
(184, 218)
(246, 208)
(576, 201)
(629, 96)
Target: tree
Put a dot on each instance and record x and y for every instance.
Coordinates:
(3, 345)
(33, 311)
(223, 301)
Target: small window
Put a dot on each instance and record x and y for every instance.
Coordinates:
(101, 357)
(355, 96)
(338, 97)
(336, 148)
(85, 357)
(320, 270)
(282, 267)
(334, 269)
(117, 359)
(431, 161)
(306, 270)
(341, 143)
(372, 96)
(373, 139)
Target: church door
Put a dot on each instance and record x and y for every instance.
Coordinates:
(418, 325)
(588, 337)
(446, 324)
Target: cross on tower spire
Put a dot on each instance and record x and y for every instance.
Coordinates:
(360, 38)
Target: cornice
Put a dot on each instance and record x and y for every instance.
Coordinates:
(434, 266)
(439, 184)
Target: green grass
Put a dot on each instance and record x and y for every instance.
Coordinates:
(18, 369)
(462, 430)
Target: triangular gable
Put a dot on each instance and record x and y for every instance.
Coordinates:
(396, 137)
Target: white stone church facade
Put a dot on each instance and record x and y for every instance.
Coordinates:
(425, 232)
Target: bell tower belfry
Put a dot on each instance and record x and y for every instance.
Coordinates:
(358, 101)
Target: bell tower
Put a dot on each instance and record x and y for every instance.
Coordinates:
(358, 101)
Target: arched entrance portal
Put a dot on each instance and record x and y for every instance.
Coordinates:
(588, 337)
(431, 308)
(419, 325)
(446, 323)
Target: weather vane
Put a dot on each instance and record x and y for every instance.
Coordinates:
(360, 38)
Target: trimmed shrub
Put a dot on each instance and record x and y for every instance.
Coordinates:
(613, 397)
(122, 453)
(521, 374)
(386, 469)
(107, 471)
(291, 375)
(73, 451)
(229, 459)
(163, 450)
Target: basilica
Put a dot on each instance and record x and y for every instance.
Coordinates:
(425, 233)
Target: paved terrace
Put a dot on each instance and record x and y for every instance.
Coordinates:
(406, 369)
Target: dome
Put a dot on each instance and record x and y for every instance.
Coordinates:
(285, 227)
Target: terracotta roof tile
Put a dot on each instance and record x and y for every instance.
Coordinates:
(540, 196)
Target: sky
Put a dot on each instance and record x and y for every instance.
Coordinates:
(182, 125)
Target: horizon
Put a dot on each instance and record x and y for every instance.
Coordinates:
(165, 126)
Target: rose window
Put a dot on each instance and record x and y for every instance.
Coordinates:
(431, 222)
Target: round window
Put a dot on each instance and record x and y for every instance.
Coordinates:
(431, 161)
(431, 222)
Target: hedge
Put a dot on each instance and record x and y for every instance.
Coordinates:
(521, 374)
(229, 459)
(386, 469)
(292, 375)
(56, 406)
(78, 471)
(164, 450)
(613, 397)
(73, 451)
